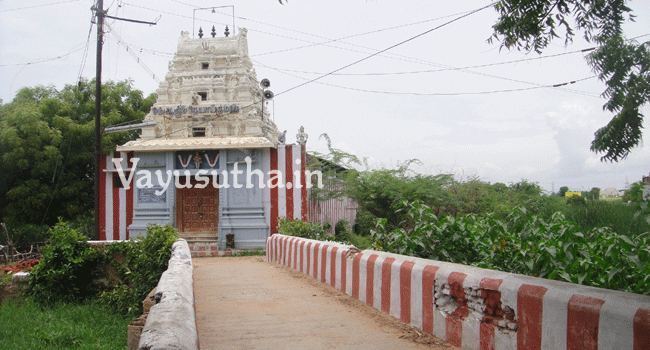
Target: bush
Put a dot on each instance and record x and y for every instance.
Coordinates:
(341, 231)
(121, 274)
(137, 266)
(524, 243)
(67, 271)
(299, 228)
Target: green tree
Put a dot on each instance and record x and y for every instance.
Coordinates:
(623, 64)
(563, 191)
(46, 152)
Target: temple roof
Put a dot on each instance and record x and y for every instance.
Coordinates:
(210, 99)
(196, 143)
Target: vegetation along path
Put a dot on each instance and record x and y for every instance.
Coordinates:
(246, 303)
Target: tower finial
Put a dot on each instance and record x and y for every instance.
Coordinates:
(214, 32)
(227, 32)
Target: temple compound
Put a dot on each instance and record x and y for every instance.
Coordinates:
(209, 120)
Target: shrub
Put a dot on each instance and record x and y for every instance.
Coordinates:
(67, 271)
(524, 243)
(137, 265)
(341, 231)
(299, 228)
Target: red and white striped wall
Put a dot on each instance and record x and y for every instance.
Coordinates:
(115, 203)
(290, 200)
(470, 307)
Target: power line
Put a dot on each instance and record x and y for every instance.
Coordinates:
(398, 57)
(442, 69)
(43, 59)
(35, 6)
(130, 51)
(539, 86)
(386, 49)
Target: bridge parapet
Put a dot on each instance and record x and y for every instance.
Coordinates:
(171, 323)
(471, 307)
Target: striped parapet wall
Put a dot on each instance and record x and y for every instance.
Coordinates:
(470, 307)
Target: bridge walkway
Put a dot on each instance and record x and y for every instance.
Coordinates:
(246, 303)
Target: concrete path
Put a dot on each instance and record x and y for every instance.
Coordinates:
(246, 303)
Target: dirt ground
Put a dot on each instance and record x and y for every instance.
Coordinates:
(246, 303)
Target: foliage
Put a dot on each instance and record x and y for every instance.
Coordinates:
(67, 270)
(341, 231)
(299, 228)
(46, 162)
(624, 65)
(524, 243)
(138, 265)
(27, 325)
(121, 274)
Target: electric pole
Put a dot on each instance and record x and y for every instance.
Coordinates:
(100, 14)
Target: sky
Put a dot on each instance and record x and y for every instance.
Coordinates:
(425, 98)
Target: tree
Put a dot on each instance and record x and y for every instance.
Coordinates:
(623, 64)
(46, 153)
(563, 191)
(594, 194)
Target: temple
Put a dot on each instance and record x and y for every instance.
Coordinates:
(210, 161)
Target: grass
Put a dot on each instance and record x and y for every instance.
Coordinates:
(26, 325)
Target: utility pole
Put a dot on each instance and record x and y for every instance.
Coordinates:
(100, 14)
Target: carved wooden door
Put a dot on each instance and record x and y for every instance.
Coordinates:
(198, 209)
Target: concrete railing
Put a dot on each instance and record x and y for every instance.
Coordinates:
(171, 323)
(470, 307)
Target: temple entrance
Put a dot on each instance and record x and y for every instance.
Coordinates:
(197, 209)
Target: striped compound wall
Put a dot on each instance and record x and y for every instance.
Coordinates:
(470, 307)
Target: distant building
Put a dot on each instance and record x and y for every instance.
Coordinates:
(611, 192)
(571, 194)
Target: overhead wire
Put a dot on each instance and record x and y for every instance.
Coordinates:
(443, 69)
(35, 6)
(85, 54)
(133, 54)
(540, 86)
(398, 57)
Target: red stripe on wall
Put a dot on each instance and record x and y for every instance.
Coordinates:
(316, 246)
(355, 275)
(641, 329)
(302, 255)
(386, 269)
(288, 179)
(333, 267)
(274, 192)
(303, 181)
(582, 322)
(428, 277)
(290, 251)
(295, 254)
(530, 303)
(493, 312)
(454, 320)
(344, 270)
(370, 278)
(405, 290)
(129, 199)
(308, 258)
(116, 211)
(323, 263)
(102, 199)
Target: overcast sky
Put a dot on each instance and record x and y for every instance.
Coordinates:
(417, 100)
